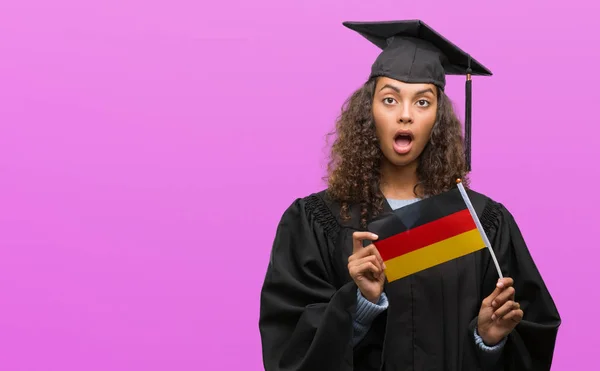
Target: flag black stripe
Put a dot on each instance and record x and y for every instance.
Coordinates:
(418, 213)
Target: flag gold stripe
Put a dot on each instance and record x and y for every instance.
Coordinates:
(434, 254)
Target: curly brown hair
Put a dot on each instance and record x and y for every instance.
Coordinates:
(354, 172)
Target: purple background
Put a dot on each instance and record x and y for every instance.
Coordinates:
(148, 149)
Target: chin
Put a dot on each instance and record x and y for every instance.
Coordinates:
(403, 163)
(400, 160)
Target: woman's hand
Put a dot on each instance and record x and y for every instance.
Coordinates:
(499, 313)
(366, 267)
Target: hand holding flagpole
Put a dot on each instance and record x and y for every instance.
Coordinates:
(499, 313)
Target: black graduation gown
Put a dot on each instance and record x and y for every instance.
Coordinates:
(308, 299)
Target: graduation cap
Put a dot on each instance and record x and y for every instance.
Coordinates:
(413, 52)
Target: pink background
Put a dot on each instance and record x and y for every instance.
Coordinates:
(148, 149)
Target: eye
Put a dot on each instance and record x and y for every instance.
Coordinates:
(423, 103)
(389, 100)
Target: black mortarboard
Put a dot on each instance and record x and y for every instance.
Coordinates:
(415, 53)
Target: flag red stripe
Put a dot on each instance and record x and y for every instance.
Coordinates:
(426, 234)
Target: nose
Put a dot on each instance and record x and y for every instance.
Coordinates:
(405, 116)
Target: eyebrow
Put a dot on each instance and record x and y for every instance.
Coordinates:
(397, 90)
(428, 90)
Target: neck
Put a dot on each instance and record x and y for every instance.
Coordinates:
(398, 182)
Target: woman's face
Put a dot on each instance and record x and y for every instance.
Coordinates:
(404, 117)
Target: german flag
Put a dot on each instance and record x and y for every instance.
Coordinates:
(427, 233)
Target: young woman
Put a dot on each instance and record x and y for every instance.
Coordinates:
(324, 304)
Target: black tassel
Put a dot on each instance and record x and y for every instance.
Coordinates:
(468, 93)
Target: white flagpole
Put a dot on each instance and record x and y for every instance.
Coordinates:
(479, 226)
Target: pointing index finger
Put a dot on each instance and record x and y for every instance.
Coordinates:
(359, 237)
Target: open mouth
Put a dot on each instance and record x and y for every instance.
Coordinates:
(402, 142)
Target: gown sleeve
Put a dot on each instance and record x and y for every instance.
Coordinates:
(305, 322)
(531, 344)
